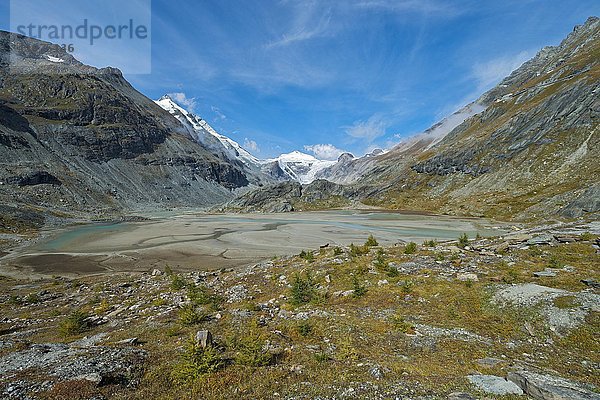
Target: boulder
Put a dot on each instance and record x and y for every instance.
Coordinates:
(464, 277)
(547, 273)
(591, 282)
(540, 240)
(494, 384)
(204, 339)
(546, 387)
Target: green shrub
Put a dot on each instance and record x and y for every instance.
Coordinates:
(196, 361)
(307, 255)
(177, 282)
(401, 325)
(189, 315)
(392, 271)
(32, 298)
(201, 295)
(305, 328)
(410, 248)
(359, 289)
(322, 357)
(337, 251)
(463, 241)
(250, 349)
(430, 243)
(371, 241)
(380, 262)
(356, 251)
(75, 323)
(303, 290)
(407, 286)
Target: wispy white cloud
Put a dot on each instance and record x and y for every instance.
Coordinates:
(310, 22)
(218, 113)
(189, 103)
(325, 151)
(251, 145)
(370, 129)
(419, 6)
(490, 72)
(485, 75)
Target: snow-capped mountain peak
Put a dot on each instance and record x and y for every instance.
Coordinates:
(300, 166)
(203, 133)
(296, 165)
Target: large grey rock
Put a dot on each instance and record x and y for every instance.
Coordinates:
(540, 240)
(204, 339)
(494, 384)
(546, 387)
(547, 273)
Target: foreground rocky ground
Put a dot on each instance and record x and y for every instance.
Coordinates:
(471, 319)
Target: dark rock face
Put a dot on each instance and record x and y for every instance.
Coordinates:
(35, 178)
(587, 202)
(263, 197)
(451, 164)
(108, 146)
(281, 197)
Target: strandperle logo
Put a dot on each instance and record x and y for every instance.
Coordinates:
(101, 33)
(85, 30)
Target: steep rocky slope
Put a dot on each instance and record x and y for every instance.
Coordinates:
(74, 138)
(531, 153)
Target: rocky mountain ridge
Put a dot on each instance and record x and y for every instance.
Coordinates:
(530, 153)
(76, 139)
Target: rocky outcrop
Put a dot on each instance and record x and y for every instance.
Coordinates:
(283, 196)
(586, 202)
(42, 367)
(545, 387)
(35, 178)
(76, 139)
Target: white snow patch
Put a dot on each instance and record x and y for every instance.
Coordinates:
(54, 59)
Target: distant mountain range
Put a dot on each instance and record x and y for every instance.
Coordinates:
(81, 141)
(296, 166)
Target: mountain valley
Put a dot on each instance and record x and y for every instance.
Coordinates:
(145, 255)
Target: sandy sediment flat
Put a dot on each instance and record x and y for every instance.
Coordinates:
(196, 241)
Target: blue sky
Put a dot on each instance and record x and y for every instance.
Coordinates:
(354, 74)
